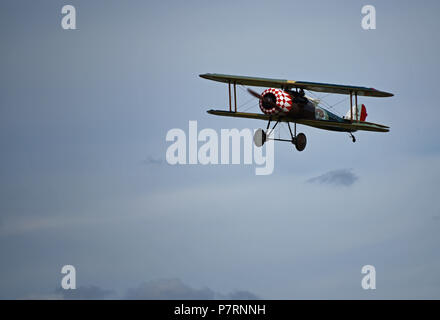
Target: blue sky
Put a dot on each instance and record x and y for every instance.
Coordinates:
(84, 111)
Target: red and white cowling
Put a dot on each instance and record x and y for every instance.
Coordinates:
(282, 99)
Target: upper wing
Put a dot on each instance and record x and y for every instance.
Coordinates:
(312, 86)
(321, 124)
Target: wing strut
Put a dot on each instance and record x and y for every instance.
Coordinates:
(351, 106)
(235, 96)
(356, 105)
(229, 87)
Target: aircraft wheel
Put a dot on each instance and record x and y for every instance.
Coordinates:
(300, 141)
(259, 137)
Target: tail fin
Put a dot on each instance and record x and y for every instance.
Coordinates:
(362, 113)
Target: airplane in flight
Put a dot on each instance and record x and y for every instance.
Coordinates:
(285, 101)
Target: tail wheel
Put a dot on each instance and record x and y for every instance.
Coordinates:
(300, 142)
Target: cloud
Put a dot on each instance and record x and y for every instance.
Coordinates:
(152, 161)
(342, 177)
(173, 289)
(84, 293)
(241, 295)
(161, 289)
(164, 289)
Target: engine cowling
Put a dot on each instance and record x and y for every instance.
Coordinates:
(282, 99)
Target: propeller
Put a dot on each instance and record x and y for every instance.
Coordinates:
(266, 99)
(298, 99)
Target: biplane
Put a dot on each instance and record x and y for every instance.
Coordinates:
(285, 101)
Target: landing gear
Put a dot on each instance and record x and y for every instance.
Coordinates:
(261, 136)
(352, 137)
(300, 142)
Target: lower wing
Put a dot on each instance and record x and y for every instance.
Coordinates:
(320, 124)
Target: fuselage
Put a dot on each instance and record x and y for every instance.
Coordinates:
(296, 105)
